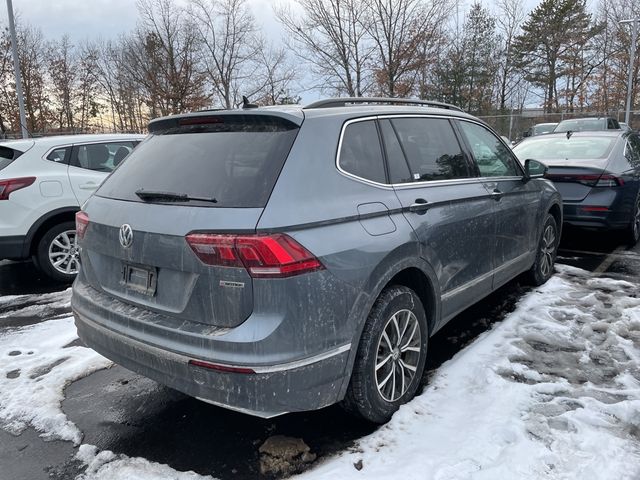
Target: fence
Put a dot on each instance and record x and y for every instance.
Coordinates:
(514, 125)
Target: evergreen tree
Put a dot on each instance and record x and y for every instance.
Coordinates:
(556, 32)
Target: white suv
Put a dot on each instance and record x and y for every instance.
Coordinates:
(43, 183)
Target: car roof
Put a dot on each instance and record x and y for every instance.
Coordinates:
(586, 133)
(297, 113)
(52, 141)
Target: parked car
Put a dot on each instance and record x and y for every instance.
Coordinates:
(43, 182)
(587, 125)
(540, 129)
(282, 259)
(625, 127)
(597, 174)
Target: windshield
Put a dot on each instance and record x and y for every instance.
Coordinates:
(543, 128)
(561, 147)
(235, 161)
(581, 125)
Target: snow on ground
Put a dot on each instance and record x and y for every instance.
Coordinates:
(47, 305)
(551, 392)
(106, 465)
(36, 362)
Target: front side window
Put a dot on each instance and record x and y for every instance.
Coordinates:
(491, 155)
(431, 148)
(101, 157)
(360, 153)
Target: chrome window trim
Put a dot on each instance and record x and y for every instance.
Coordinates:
(391, 186)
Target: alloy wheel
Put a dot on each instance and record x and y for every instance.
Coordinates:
(398, 354)
(548, 250)
(63, 253)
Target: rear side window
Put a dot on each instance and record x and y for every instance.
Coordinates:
(59, 155)
(8, 155)
(430, 148)
(360, 153)
(235, 159)
(100, 157)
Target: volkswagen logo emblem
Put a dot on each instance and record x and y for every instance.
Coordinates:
(126, 235)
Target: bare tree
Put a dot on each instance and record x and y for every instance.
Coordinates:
(510, 16)
(275, 77)
(398, 28)
(161, 58)
(331, 36)
(230, 46)
(62, 69)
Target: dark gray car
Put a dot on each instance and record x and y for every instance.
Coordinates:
(597, 174)
(283, 259)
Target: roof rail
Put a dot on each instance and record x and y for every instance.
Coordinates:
(346, 101)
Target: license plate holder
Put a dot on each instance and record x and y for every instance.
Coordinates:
(141, 279)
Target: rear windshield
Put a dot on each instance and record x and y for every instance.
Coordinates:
(561, 147)
(235, 160)
(8, 155)
(582, 125)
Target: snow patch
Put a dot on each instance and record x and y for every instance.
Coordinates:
(36, 364)
(106, 465)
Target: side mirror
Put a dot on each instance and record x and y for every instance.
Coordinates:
(534, 169)
(526, 134)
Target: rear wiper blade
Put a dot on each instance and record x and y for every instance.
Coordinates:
(150, 196)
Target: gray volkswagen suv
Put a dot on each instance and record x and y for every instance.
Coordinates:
(282, 259)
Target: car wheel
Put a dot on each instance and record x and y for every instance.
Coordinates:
(634, 225)
(57, 253)
(391, 356)
(542, 268)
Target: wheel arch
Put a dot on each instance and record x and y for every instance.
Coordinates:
(43, 224)
(412, 272)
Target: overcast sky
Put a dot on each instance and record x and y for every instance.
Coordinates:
(91, 19)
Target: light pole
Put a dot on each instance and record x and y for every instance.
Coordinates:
(632, 59)
(16, 69)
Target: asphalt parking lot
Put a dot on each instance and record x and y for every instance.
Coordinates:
(122, 412)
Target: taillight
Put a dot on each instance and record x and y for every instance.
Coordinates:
(264, 256)
(13, 184)
(82, 222)
(609, 181)
(590, 180)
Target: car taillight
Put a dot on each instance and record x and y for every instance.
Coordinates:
(82, 222)
(13, 184)
(264, 256)
(590, 180)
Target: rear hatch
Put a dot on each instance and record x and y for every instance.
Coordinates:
(194, 174)
(577, 162)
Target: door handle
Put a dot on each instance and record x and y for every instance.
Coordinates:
(496, 194)
(88, 186)
(419, 206)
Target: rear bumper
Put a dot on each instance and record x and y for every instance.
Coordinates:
(298, 384)
(577, 216)
(12, 248)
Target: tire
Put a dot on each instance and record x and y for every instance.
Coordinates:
(633, 231)
(542, 268)
(57, 255)
(372, 394)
